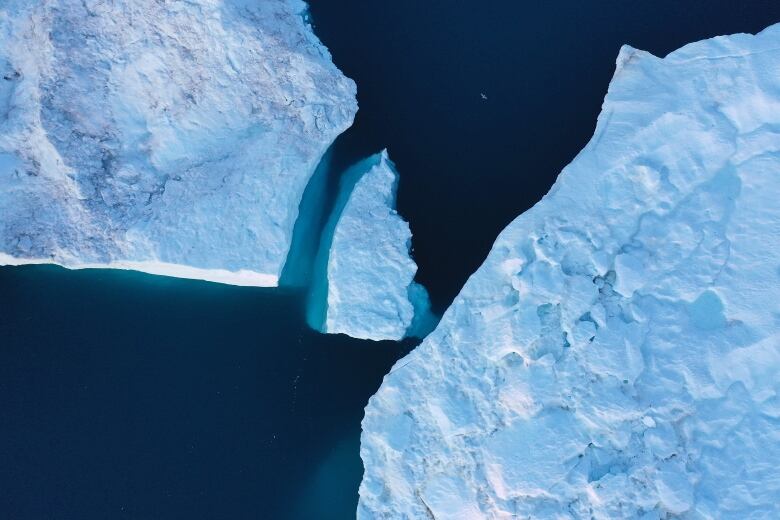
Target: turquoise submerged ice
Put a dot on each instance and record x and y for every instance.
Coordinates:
(170, 137)
(617, 354)
(370, 289)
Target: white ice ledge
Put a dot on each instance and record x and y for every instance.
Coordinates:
(242, 277)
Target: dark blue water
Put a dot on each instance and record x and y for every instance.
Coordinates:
(124, 395)
(469, 166)
(130, 396)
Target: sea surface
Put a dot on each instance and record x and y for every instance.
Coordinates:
(129, 396)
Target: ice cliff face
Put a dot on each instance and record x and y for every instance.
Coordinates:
(169, 137)
(370, 289)
(617, 354)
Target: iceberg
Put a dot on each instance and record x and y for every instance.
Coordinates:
(616, 355)
(173, 138)
(364, 276)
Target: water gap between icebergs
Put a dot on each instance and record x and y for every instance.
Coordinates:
(323, 200)
(322, 204)
(317, 299)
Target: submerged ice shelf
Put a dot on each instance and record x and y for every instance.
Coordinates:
(616, 356)
(364, 277)
(175, 139)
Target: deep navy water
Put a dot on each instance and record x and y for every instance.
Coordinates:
(127, 396)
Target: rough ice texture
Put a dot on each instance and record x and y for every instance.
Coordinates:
(169, 137)
(617, 355)
(369, 271)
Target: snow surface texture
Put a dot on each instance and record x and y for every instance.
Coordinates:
(617, 354)
(370, 289)
(170, 137)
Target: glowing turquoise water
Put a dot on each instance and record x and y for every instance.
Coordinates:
(317, 307)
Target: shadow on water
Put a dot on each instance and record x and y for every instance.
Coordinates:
(312, 213)
(323, 192)
(323, 202)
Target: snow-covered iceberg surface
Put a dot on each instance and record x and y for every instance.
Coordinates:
(364, 284)
(617, 354)
(174, 138)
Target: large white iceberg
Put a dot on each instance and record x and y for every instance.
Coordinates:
(367, 290)
(169, 137)
(617, 354)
